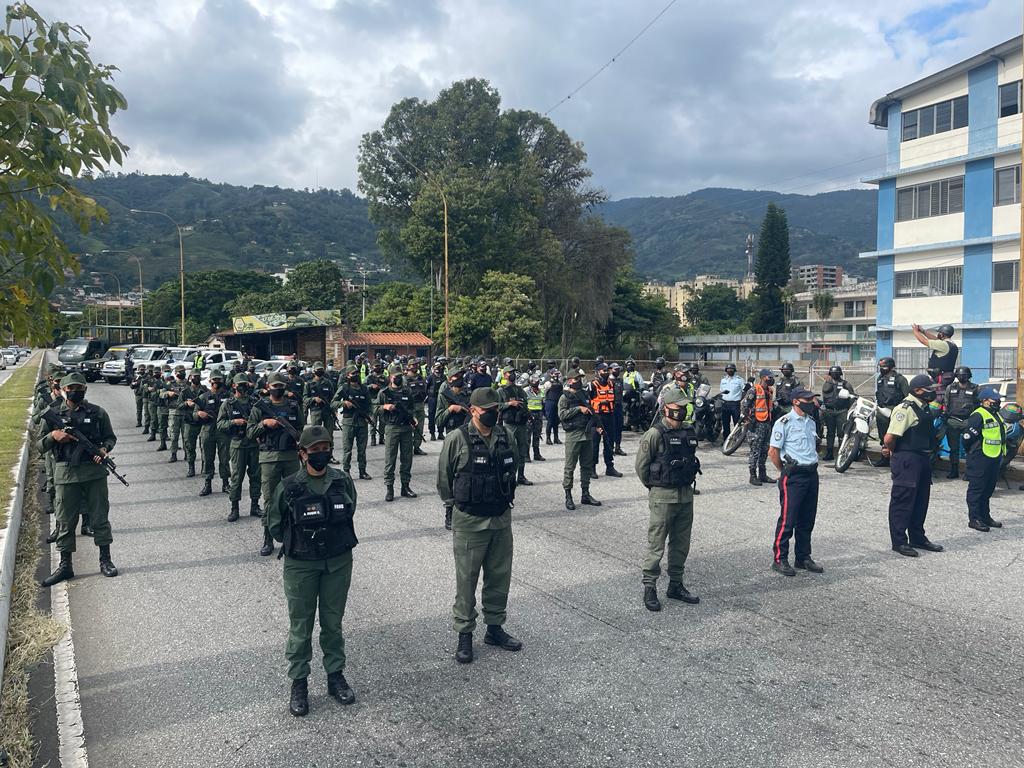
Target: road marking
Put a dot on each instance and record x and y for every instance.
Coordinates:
(70, 727)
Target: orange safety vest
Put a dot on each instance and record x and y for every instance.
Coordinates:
(603, 400)
(762, 403)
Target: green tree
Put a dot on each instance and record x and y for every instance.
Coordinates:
(824, 303)
(399, 307)
(637, 319)
(55, 109)
(716, 309)
(320, 283)
(210, 300)
(772, 273)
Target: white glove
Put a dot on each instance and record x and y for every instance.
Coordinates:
(844, 395)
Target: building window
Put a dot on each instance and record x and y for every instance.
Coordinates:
(1005, 276)
(910, 360)
(1009, 99)
(938, 118)
(934, 199)
(942, 281)
(1004, 363)
(854, 309)
(1007, 185)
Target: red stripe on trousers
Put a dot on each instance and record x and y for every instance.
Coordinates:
(785, 509)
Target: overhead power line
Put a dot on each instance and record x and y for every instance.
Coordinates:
(611, 61)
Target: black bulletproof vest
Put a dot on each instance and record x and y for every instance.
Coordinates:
(211, 402)
(321, 388)
(831, 399)
(947, 362)
(86, 419)
(920, 438)
(418, 389)
(487, 486)
(579, 420)
(456, 418)
(402, 400)
(278, 439)
(554, 391)
(676, 463)
(239, 410)
(961, 399)
(318, 527)
(514, 416)
(887, 390)
(359, 396)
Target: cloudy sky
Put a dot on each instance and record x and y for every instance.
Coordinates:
(768, 94)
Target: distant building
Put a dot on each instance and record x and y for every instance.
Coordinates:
(677, 294)
(818, 275)
(949, 212)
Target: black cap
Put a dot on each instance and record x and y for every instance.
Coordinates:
(921, 381)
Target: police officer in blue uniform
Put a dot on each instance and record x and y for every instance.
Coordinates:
(908, 444)
(793, 449)
(732, 388)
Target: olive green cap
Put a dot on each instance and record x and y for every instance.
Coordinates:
(484, 397)
(73, 378)
(454, 370)
(673, 396)
(179, 368)
(314, 434)
(318, 366)
(240, 378)
(508, 369)
(219, 375)
(395, 369)
(350, 369)
(275, 378)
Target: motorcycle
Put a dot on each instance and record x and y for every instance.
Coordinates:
(737, 435)
(707, 414)
(859, 422)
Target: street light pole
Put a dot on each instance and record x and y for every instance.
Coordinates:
(181, 264)
(142, 311)
(120, 309)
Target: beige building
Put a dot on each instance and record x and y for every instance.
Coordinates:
(678, 293)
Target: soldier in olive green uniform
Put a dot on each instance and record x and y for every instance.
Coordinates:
(317, 398)
(515, 416)
(151, 389)
(476, 473)
(186, 408)
(233, 421)
(176, 412)
(395, 406)
(311, 513)
(579, 422)
(376, 381)
(278, 448)
(451, 413)
(352, 399)
(418, 387)
(47, 393)
(215, 443)
(667, 466)
(81, 481)
(166, 394)
(140, 398)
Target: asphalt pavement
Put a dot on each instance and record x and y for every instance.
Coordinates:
(882, 660)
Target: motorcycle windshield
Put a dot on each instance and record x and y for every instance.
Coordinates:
(703, 390)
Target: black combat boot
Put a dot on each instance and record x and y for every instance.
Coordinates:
(586, 498)
(138, 424)
(418, 452)
(152, 437)
(233, 514)
(753, 478)
(527, 457)
(268, 544)
(651, 601)
(225, 486)
(521, 480)
(298, 701)
(363, 475)
(618, 451)
(569, 503)
(107, 567)
(954, 471)
(390, 495)
(207, 487)
(191, 470)
(52, 536)
(338, 688)
(548, 441)
(63, 572)
(829, 455)
(163, 444)
(407, 491)
(447, 518)
(145, 430)
(557, 441)
(373, 439)
(464, 651)
(86, 526)
(254, 508)
(783, 567)
(496, 635)
(537, 456)
(611, 471)
(677, 591)
(174, 457)
(763, 477)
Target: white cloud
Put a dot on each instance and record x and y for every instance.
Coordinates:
(724, 93)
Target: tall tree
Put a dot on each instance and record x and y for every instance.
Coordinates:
(55, 109)
(824, 303)
(209, 299)
(772, 273)
(716, 309)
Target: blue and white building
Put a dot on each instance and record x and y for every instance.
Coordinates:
(949, 212)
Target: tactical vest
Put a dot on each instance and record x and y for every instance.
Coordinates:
(578, 422)
(318, 527)
(454, 419)
(402, 414)
(887, 391)
(418, 389)
(184, 409)
(278, 439)
(554, 391)
(603, 398)
(993, 435)
(486, 487)
(762, 403)
(920, 438)
(514, 416)
(323, 390)
(86, 419)
(211, 403)
(239, 410)
(632, 378)
(831, 399)
(786, 385)
(961, 399)
(947, 362)
(358, 396)
(676, 464)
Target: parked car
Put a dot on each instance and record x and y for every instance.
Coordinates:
(74, 352)
(3, 363)
(1007, 389)
(9, 355)
(113, 366)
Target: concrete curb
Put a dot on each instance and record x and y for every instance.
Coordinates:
(9, 535)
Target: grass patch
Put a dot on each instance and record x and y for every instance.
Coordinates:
(15, 398)
(31, 634)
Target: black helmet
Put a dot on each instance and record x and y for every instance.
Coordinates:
(630, 364)
(600, 359)
(787, 369)
(574, 363)
(963, 370)
(730, 367)
(660, 362)
(549, 363)
(506, 361)
(945, 330)
(835, 371)
(695, 367)
(887, 362)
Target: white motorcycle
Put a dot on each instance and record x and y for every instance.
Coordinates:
(859, 422)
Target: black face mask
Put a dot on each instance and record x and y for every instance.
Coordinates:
(992, 407)
(836, 376)
(676, 414)
(926, 396)
(179, 376)
(730, 372)
(885, 371)
(489, 417)
(241, 391)
(354, 379)
(276, 394)
(770, 381)
(318, 461)
(963, 378)
(809, 408)
(603, 376)
(75, 396)
(575, 386)
(397, 381)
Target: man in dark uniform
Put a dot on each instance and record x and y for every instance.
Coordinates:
(216, 444)
(376, 380)
(602, 403)
(435, 379)
(133, 382)
(476, 474)
(352, 400)
(311, 514)
(418, 388)
(909, 443)
(243, 452)
(294, 385)
(514, 415)
(985, 440)
(317, 396)
(837, 395)
(577, 418)
(189, 429)
(785, 385)
(756, 410)
(553, 388)
(659, 377)
(452, 412)
(943, 352)
(396, 411)
(618, 409)
(80, 480)
(961, 399)
(890, 390)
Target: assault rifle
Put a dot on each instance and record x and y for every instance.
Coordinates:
(268, 412)
(54, 420)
